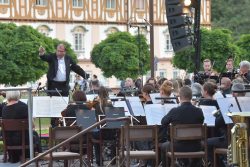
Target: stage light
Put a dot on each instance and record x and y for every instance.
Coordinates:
(187, 3)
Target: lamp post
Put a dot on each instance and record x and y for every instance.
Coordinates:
(139, 26)
(197, 36)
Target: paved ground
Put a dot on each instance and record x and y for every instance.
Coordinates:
(56, 164)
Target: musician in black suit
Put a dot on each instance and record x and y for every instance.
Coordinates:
(60, 65)
(186, 113)
(244, 72)
(15, 109)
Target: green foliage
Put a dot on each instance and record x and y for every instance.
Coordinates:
(244, 44)
(216, 45)
(231, 14)
(118, 55)
(19, 59)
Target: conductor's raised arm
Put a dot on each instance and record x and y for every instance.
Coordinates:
(41, 51)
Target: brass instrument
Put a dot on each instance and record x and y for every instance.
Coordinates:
(238, 149)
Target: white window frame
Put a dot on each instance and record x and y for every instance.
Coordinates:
(4, 2)
(168, 44)
(164, 72)
(44, 30)
(41, 2)
(140, 4)
(176, 73)
(110, 4)
(77, 3)
(79, 42)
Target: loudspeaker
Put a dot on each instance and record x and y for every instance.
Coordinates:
(179, 25)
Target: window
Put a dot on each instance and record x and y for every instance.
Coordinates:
(4, 1)
(176, 73)
(78, 35)
(111, 30)
(43, 29)
(77, 3)
(110, 4)
(41, 2)
(140, 4)
(168, 47)
(163, 73)
(78, 42)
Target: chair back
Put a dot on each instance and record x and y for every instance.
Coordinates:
(188, 132)
(193, 133)
(58, 134)
(15, 125)
(142, 132)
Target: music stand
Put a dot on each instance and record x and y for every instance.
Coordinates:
(85, 118)
(114, 112)
(216, 78)
(228, 105)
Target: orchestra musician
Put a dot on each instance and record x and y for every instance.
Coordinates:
(101, 102)
(146, 90)
(79, 99)
(230, 65)
(225, 86)
(244, 72)
(166, 90)
(128, 89)
(220, 136)
(186, 113)
(207, 66)
(238, 87)
(15, 109)
(153, 82)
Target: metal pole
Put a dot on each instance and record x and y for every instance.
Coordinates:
(151, 19)
(30, 124)
(197, 34)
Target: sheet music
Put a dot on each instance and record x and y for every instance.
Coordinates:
(244, 103)
(24, 101)
(46, 106)
(218, 94)
(155, 112)
(227, 105)
(207, 112)
(229, 95)
(122, 104)
(153, 96)
(136, 105)
(172, 95)
(91, 97)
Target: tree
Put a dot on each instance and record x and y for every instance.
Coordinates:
(231, 14)
(216, 45)
(19, 59)
(244, 44)
(118, 55)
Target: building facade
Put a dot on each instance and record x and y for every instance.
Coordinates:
(84, 23)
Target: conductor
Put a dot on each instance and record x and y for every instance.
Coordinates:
(60, 65)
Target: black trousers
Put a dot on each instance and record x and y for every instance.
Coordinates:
(56, 88)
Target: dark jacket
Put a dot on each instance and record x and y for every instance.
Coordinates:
(69, 64)
(186, 113)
